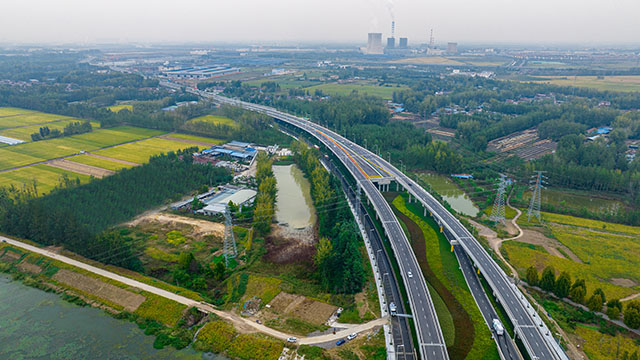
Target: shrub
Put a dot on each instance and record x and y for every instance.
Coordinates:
(216, 336)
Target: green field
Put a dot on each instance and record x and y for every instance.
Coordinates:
(101, 163)
(571, 199)
(29, 153)
(140, 152)
(24, 133)
(46, 177)
(196, 138)
(117, 108)
(13, 117)
(612, 83)
(385, 92)
(610, 254)
(428, 60)
(214, 119)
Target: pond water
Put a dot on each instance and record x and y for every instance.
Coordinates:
(450, 192)
(294, 206)
(38, 325)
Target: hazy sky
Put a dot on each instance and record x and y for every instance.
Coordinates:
(586, 22)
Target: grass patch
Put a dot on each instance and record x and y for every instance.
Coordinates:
(160, 255)
(385, 92)
(160, 309)
(255, 347)
(175, 238)
(599, 346)
(118, 108)
(216, 336)
(265, 288)
(612, 83)
(24, 133)
(215, 120)
(208, 140)
(13, 117)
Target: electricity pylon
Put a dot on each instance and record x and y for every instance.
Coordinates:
(534, 206)
(229, 250)
(497, 214)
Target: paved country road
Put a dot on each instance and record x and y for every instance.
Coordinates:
(205, 307)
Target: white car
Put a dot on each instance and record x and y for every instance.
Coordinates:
(352, 336)
(409, 274)
(292, 339)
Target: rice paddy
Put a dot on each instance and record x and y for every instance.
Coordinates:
(45, 177)
(24, 132)
(14, 117)
(98, 162)
(203, 139)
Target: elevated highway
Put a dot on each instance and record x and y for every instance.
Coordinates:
(371, 172)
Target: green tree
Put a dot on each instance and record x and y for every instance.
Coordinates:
(613, 313)
(563, 285)
(532, 276)
(577, 294)
(634, 356)
(599, 291)
(219, 270)
(548, 279)
(632, 314)
(595, 303)
(188, 262)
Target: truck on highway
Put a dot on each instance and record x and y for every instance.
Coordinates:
(497, 327)
(392, 309)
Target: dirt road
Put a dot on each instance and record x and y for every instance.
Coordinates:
(205, 307)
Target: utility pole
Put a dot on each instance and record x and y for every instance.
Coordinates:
(229, 249)
(534, 206)
(497, 214)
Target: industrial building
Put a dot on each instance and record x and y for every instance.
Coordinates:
(404, 43)
(217, 203)
(452, 48)
(391, 43)
(374, 44)
(200, 72)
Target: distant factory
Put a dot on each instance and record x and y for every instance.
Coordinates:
(374, 44)
(204, 72)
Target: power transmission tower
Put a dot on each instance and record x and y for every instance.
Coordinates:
(229, 249)
(497, 214)
(432, 41)
(534, 206)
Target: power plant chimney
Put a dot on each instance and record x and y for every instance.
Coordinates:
(374, 44)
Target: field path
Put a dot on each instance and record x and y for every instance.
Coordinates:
(201, 305)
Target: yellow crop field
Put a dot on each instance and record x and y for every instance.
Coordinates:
(214, 119)
(196, 138)
(599, 346)
(24, 132)
(613, 83)
(45, 177)
(14, 117)
(98, 162)
(140, 152)
(117, 108)
(592, 224)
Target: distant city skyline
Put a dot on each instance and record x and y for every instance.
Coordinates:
(579, 22)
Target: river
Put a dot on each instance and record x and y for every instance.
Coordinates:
(38, 325)
(294, 206)
(451, 193)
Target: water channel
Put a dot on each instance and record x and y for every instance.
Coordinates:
(294, 206)
(450, 192)
(38, 325)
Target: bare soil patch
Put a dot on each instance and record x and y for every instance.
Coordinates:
(30, 268)
(199, 228)
(112, 159)
(10, 256)
(127, 299)
(303, 308)
(287, 250)
(81, 168)
(628, 283)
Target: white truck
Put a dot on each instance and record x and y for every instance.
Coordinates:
(497, 327)
(393, 309)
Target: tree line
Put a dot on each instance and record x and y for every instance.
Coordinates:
(74, 128)
(265, 205)
(338, 260)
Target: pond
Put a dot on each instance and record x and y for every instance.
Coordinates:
(38, 325)
(294, 206)
(451, 193)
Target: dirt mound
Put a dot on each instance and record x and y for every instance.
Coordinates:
(303, 308)
(628, 283)
(288, 251)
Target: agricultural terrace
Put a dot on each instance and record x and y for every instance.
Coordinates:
(214, 119)
(441, 269)
(610, 83)
(45, 177)
(14, 117)
(117, 108)
(29, 153)
(139, 152)
(609, 254)
(24, 132)
(385, 92)
(100, 162)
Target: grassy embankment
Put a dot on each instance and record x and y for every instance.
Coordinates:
(609, 253)
(441, 269)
